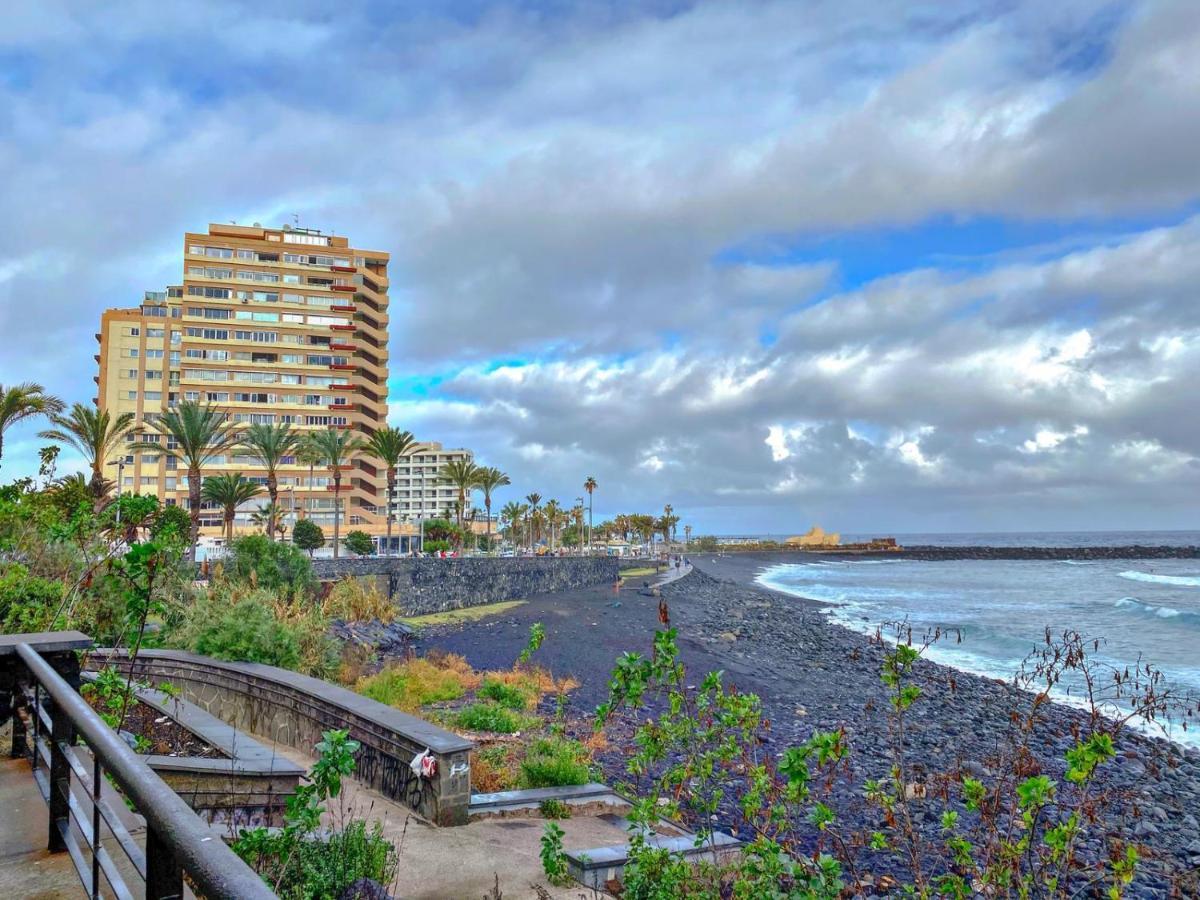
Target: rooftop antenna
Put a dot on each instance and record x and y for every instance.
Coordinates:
(296, 219)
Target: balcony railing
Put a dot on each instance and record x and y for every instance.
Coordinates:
(178, 843)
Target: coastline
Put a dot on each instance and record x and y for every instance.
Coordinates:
(813, 673)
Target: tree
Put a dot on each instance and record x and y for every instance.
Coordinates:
(534, 500)
(96, 434)
(23, 401)
(390, 445)
(513, 514)
(270, 445)
(200, 432)
(554, 514)
(359, 543)
(335, 447)
(268, 517)
(229, 491)
(590, 486)
(489, 480)
(463, 475)
(307, 535)
(308, 454)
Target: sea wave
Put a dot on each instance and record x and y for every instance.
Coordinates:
(1161, 612)
(1151, 578)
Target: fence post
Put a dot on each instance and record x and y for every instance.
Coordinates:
(61, 730)
(164, 874)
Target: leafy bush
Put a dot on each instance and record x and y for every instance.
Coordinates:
(554, 762)
(27, 602)
(353, 601)
(436, 546)
(308, 536)
(299, 862)
(554, 859)
(275, 565)
(506, 695)
(490, 717)
(441, 530)
(412, 684)
(254, 626)
(554, 809)
(359, 543)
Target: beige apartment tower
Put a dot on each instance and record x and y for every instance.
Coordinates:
(272, 325)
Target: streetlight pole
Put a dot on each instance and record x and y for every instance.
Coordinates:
(120, 464)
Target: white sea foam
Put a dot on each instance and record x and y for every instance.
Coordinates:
(1151, 578)
(1161, 612)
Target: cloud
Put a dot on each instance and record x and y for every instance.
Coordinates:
(593, 211)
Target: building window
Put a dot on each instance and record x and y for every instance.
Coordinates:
(133, 352)
(155, 333)
(131, 373)
(131, 395)
(152, 395)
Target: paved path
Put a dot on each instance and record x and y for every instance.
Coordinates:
(27, 869)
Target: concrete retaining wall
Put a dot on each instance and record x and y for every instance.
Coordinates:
(420, 586)
(277, 705)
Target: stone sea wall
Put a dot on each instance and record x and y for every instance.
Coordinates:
(421, 586)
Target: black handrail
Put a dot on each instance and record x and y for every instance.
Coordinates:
(175, 834)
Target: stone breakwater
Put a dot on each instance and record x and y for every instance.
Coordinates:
(421, 586)
(813, 674)
(1135, 551)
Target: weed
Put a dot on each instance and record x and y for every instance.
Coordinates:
(554, 762)
(554, 809)
(554, 860)
(491, 717)
(410, 685)
(506, 695)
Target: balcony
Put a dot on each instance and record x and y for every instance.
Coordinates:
(342, 327)
(344, 288)
(342, 269)
(344, 367)
(337, 387)
(350, 407)
(344, 308)
(339, 346)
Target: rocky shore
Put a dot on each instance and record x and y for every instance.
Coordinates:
(812, 675)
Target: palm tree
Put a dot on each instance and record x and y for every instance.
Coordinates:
(464, 475)
(490, 478)
(554, 515)
(267, 517)
(335, 447)
(22, 401)
(270, 444)
(534, 500)
(590, 485)
(514, 514)
(390, 445)
(229, 491)
(96, 434)
(307, 453)
(200, 432)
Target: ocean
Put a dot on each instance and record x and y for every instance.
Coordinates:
(1148, 609)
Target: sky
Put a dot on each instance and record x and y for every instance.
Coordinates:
(885, 267)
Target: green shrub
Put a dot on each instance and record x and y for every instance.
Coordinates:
(275, 565)
(27, 603)
(436, 546)
(506, 695)
(254, 626)
(554, 762)
(359, 543)
(490, 717)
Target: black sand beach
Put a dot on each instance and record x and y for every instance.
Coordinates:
(812, 674)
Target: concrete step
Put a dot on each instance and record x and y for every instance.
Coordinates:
(596, 867)
(584, 799)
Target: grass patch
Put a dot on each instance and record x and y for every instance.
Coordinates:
(507, 695)
(554, 762)
(410, 685)
(494, 768)
(492, 717)
(554, 809)
(457, 616)
(638, 572)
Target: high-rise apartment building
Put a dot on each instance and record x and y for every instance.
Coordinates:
(420, 491)
(272, 325)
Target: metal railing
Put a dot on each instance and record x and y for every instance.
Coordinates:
(178, 842)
